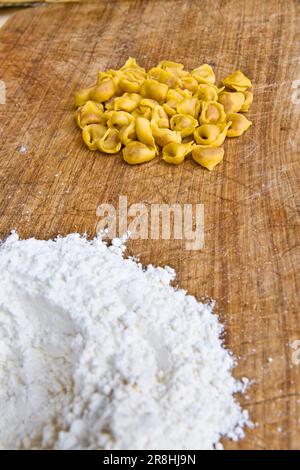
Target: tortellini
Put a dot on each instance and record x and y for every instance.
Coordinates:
(166, 107)
(184, 124)
(136, 152)
(207, 157)
(238, 125)
(237, 81)
(176, 153)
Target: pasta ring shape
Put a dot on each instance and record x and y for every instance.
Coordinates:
(110, 142)
(207, 92)
(237, 81)
(154, 90)
(204, 74)
(239, 124)
(89, 113)
(144, 132)
(92, 133)
(164, 136)
(207, 157)
(183, 123)
(136, 152)
(127, 102)
(104, 91)
(127, 133)
(248, 101)
(212, 113)
(119, 119)
(189, 106)
(211, 135)
(231, 101)
(175, 153)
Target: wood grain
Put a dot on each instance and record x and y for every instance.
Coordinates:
(251, 257)
(27, 2)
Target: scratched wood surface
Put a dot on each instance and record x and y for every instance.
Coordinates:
(51, 183)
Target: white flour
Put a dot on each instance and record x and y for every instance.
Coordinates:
(96, 352)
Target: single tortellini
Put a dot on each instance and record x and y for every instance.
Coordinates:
(136, 152)
(165, 76)
(92, 133)
(144, 132)
(103, 91)
(127, 133)
(129, 85)
(239, 124)
(110, 142)
(119, 119)
(154, 90)
(175, 153)
(131, 77)
(211, 135)
(89, 113)
(131, 64)
(189, 106)
(164, 64)
(207, 157)
(164, 136)
(207, 92)
(174, 97)
(82, 96)
(237, 81)
(232, 101)
(142, 111)
(160, 116)
(212, 113)
(127, 102)
(183, 123)
(189, 83)
(204, 74)
(248, 101)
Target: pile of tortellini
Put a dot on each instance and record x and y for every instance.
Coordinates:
(182, 112)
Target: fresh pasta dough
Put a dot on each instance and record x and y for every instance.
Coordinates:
(183, 113)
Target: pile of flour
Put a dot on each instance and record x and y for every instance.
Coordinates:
(98, 352)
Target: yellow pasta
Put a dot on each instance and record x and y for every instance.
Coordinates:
(212, 113)
(89, 113)
(184, 124)
(207, 157)
(164, 136)
(110, 142)
(127, 133)
(119, 119)
(144, 132)
(165, 107)
(232, 101)
(165, 76)
(207, 92)
(155, 90)
(82, 97)
(211, 135)
(175, 153)
(204, 74)
(92, 133)
(127, 102)
(104, 91)
(238, 125)
(248, 96)
(237, 81)
(137, 152)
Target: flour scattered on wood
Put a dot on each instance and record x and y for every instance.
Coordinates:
(98, 352)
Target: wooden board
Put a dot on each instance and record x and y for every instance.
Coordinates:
(250, 259)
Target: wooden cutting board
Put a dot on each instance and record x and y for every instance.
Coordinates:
(51, 183)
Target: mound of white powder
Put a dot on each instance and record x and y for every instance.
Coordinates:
(98, 352)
